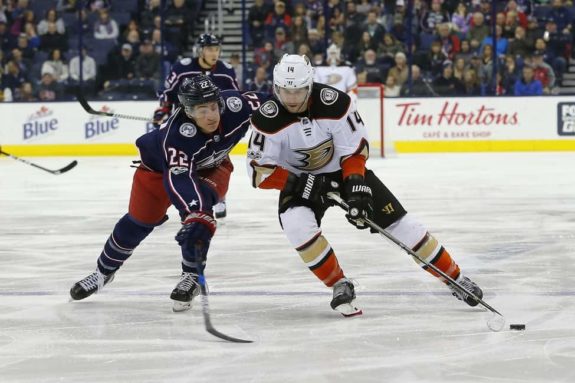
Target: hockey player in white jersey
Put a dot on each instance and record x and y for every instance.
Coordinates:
(309, 139)
(337, 73)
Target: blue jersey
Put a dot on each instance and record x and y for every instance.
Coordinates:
(179, 149)
(222, 74)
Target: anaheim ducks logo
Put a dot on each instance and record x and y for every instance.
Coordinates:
(316, 157)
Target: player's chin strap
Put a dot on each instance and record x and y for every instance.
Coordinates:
(341, 203)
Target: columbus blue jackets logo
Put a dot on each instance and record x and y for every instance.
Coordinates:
(269, 109)
(328, 96)
(188, 130)
(234, 104)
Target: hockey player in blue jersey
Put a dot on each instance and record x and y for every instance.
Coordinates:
(208, 62)
(185, 163)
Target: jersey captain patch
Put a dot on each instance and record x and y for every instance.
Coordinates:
(328, 96)
(269, 109)
(316, 157)
(188, 130)
(234, 104)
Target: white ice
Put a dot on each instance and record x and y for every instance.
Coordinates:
(508, 219)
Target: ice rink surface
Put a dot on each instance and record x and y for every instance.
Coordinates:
(507, 219)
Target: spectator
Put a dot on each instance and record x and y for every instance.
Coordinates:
(471, 83)
(256, 19)
(478, 30)
(299, 31)
(179, 20)
(527, 85)
(373, 27)
(518, 13)
(375, 73)
(148, 62)
(446, 84)
(486, 69)
(13, 77)
(316, 43)
(56, 65)
(282, 45)
(66, 6)
(511, 23)
(560, 14)
(6, 38)
(520, 46)
(85, 26)
(105, 28)
(433, 17)
(465, 53)
(151, 10)
(450, 43)
(435, 59)
(278, 18)
(459, 69)
(122, 65)
(501, 42)
(170, 53)
(32, 36)
(399, 71)
(25, 93)
(51, 17)
(388, 48)
(543, 72)
(260, 82)
(392, 89)
(88, 67)
(23, 63)
(461, 18)
(52, 39)
(557, 45)
(305, 50)
(133, 38)
(264, 56)
(49, 90)
(419, 88)
(509, 75)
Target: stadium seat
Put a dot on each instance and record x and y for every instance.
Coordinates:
(122, 18)
(125, 6)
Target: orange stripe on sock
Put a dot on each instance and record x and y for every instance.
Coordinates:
(445, 263)
(329, 271)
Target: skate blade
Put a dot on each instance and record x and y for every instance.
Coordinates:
(179, 307)
(348, 310)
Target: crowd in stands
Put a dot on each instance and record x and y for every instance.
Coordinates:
(451, 46)
(121, 46)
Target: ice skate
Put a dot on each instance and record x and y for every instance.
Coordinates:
(343, 297)
(220, 210)
(469, 285)
(90, 285)
(185, 291)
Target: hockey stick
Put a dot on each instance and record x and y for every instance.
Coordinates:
(206, 305)
(82, 100)
(70, 166)
(339, 201)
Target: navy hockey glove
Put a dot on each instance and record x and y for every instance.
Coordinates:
(198, 227)
(359, 199)
(308, 187)
(161, 114)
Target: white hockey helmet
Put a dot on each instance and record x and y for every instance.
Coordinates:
(293, 72)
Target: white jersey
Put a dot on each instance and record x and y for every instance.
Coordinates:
(314, 142)
(340, 77)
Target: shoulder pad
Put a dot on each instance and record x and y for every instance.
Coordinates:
(226, 64)
(271, 117)
(186, 61)
(234, 100)
(329, 102)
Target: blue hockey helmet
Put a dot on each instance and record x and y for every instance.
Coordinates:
(208, 40)
(198, 90)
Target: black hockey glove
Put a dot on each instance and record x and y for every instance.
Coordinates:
(197, 227)
(359, 199)
(308, 187)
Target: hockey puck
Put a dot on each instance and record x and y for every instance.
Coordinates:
(517, 327)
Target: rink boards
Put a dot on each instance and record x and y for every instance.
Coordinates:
(409, 126)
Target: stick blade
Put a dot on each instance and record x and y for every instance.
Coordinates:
(66, 168)
(220, 335)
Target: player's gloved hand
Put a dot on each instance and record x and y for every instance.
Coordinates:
(197, 227)
(161, 114)
(359, 200)
(309, 187)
